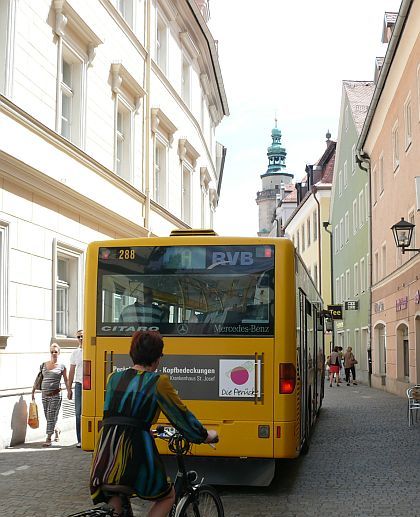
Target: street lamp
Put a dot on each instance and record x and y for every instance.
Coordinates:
(403, 231)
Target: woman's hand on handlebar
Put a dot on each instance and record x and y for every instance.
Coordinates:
(212, 436)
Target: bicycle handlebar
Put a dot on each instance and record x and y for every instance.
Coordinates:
(172, 435)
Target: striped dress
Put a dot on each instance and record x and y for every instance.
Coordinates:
(126, 453)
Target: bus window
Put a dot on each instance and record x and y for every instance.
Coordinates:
(199, 290)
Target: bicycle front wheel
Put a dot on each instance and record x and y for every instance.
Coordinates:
(204, 502)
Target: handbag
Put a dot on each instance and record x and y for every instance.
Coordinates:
(355, 361)
(39, 378)
(33, 420)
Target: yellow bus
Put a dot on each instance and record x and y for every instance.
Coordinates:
(243, 332)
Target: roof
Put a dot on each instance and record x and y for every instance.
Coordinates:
(326, 162)
(359, 94)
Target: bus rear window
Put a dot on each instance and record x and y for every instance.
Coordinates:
(186, 290)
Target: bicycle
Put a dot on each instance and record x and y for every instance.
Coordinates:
(193, 498)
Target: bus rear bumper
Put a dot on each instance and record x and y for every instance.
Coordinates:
(226, 471)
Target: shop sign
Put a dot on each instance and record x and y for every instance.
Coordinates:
(401, 303)
(336, 311)
(351, 305)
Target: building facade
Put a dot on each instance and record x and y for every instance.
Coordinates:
(390, 145)
(108, 112)
(349, 224)
(305, 225)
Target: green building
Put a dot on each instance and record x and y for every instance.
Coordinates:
(349, 220)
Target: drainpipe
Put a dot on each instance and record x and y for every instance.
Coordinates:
(148, 114)
(314, 191)
(361, 158)
(325, 224)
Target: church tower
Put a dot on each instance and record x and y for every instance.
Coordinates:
(273, 183)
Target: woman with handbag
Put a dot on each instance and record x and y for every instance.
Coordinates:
(349, 365)
(52, 371)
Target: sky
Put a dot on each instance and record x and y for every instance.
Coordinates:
(285, 59)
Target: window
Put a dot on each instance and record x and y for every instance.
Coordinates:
(303, 238)
(342, 287)
(367, 211)
(362, 275)
(336, 240)
(356, 279)
(315, 225)
(355, 216)
(413, 237)
(7, 45)
(340, 183)
(76, 44)
(346, 118)
(160, 178)
(163, 130)
(186, 194)
(418, 90)
(383, 260)
(345, 175)
(308, 230)
(374, 185)
(381, 174)
(408, 123)
(346, 226)
(205, 179)
(337, 290)
(341, 233)
(186, 81)
(188, 156)
(376, 271)
(125, 8)
(127, 100)
(361, 209)
(70, 97)
(298, 241)
(316, 274)
(395, 147)
(4, 282)
(353, 159)
(123, 142)
(161, 44)
(347, 284)
(68, 290)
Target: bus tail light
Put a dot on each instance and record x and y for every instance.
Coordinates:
(87, 378)
(287, 375)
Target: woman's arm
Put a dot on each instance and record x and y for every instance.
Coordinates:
(66, 382)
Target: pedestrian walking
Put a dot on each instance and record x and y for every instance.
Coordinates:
(335, 366)
(52, 372)
(349, 365)
(76, 374)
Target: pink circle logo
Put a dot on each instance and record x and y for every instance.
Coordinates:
(239, 375)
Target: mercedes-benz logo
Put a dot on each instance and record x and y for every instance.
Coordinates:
(183, 328)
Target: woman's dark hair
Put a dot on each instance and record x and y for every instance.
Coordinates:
(146, 347)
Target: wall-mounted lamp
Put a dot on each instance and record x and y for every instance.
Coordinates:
(403, 231)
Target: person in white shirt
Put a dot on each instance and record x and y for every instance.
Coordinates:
(76, 374)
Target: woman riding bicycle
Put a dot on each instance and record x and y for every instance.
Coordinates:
(126, 459)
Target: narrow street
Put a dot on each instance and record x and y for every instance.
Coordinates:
(363, 461)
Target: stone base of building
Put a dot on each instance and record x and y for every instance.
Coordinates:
(14, 428)
(395, 386)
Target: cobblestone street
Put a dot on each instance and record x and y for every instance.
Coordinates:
(363, 461)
